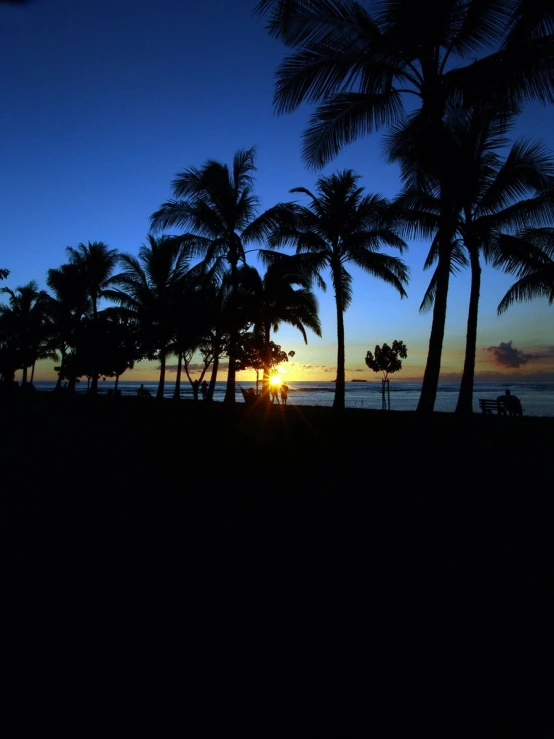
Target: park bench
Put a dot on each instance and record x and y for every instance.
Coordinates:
(492, 405)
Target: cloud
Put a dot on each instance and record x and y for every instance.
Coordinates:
(545, 352)
(507, 355)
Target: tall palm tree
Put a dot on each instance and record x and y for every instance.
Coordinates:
(342, 225)
(366, 68)
(532, 261)
(219, 313)
(216, 206)
(149, 286)
(27, 306)
(193, 319)
(489, 196)
(67, 305)
(282, 295)
(96, 262)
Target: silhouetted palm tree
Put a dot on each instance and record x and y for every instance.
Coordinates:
(217, 207)
(96, 261)
(149, 286)
(193, 319)
(27, 307)
(532, 261)
(66, 307)
(342, 225)
(219, 314)
(282, 295)
(366, 68)
(489, 195)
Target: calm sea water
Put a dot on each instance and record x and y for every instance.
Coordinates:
(537, 399)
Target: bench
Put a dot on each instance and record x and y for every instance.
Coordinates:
(491, 406)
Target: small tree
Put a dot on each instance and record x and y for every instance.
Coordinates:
(387, 359)
(253, 355)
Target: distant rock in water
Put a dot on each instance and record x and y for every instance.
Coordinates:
(358, 380)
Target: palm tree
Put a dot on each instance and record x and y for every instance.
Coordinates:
(193, 320)
(343, 225)
(66, 307)
(489, 196)
(532, 261)
(366, 69)
(27, 306)
(281, 295)
(218, 205)
(219, 313)
(149, 286)
(96, 262)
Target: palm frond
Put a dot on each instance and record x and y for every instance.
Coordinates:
(539, 284)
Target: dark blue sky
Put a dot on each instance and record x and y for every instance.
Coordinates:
(104, 101)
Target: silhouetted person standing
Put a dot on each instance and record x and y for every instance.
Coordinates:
(284, 393)
(205, 390)
(195, 387)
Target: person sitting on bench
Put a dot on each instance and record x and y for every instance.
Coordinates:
(512, 404)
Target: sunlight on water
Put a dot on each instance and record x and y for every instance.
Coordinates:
(537, 399)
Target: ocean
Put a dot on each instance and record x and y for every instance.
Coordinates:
(536, 398)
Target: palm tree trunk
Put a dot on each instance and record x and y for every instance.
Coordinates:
(465, 397)
(161, 383)
(177, 391)
(24, 376)
(233, 338)
(116, 384)
(266, 389)
(94, 384)
(33, 372)
(338, 402)
(62, 369)
(215, 365)
(213, 378)
(432, 369)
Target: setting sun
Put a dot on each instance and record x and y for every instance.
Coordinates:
(275, 380)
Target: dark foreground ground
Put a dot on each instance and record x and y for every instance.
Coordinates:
(291, 573)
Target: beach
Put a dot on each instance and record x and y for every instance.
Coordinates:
(537, 397)
(412, 549)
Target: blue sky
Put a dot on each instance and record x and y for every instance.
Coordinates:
(104, 101)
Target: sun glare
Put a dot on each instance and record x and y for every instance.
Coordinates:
(275, 380)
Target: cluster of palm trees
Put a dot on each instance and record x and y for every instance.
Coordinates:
(193, 293)
(445, 80)
(158, 305)
(470, 67)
